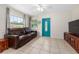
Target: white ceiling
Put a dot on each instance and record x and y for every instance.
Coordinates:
(31, 9)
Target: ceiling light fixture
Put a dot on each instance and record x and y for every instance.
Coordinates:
(39, 8)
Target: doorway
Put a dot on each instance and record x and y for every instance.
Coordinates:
(46, 27)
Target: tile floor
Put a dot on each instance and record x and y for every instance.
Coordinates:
(43, 45)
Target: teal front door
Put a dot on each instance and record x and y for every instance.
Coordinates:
(46, 27)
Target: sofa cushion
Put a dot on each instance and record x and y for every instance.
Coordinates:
(22, 36)
(13, 35)
(32, 33)
(27, 35)
(15, 31)
(27, 30)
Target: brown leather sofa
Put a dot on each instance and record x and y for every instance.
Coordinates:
(19, 36)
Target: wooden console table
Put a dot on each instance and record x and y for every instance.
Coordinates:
(3, 44)
(73, 40)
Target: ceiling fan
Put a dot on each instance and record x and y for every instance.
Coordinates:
(41, 7)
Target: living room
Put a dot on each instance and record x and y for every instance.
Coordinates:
(21, 19)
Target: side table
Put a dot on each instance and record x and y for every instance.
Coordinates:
(3, 44)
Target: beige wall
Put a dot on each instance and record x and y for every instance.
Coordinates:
(27, 21)
(75, 13)
(59, 23)
(2, 20)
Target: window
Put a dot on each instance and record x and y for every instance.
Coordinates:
(16, 22)
(34, 24)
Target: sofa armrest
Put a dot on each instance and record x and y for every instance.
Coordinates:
(11, 36)
(14, 39)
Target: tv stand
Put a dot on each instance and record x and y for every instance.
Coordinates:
(72, 39)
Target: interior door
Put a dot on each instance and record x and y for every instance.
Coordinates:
(46, 27)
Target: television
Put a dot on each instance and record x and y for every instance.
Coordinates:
(74, 27)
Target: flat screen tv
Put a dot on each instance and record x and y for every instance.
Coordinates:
(74, 27)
